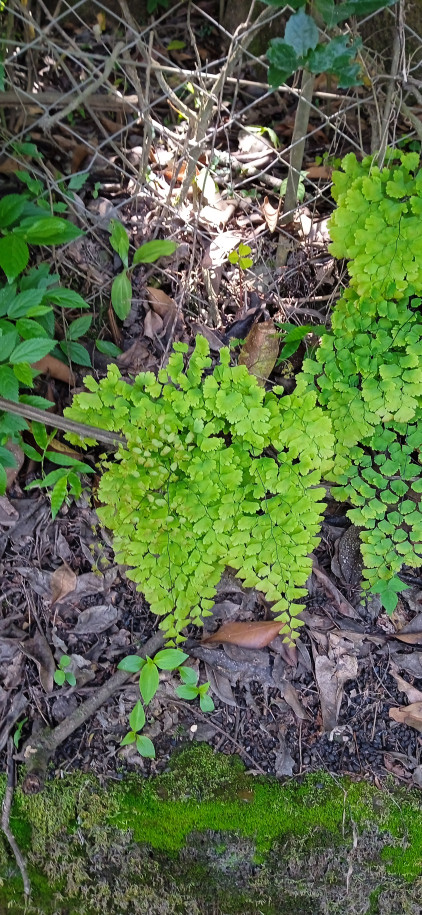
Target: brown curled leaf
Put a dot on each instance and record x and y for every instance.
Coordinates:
(260, 350)
(49, 365)
(248, 635)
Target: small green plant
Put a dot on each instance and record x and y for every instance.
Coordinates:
(17, 734)
(28, 300)
(368, 370)
(121, 290)
(149, 681)
(302, 49)
(62, 674)
(66, 480)
(195, 489)
(293, 334)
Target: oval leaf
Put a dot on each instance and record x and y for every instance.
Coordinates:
(145, 747)
(170, 658)
(137, 717)
(132, 664)
(14, 256)
(121, 295)
(247, 635)
(152, 250)
(31, 350)
(148, 681)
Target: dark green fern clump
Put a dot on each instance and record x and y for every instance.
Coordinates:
(216, 472)
(368, 372)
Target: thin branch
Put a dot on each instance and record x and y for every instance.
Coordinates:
(60, 422)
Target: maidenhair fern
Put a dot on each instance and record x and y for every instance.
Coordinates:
(368, 372)
(216, 472)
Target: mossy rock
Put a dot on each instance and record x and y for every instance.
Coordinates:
(206, 838)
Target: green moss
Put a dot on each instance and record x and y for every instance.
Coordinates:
(206, 833)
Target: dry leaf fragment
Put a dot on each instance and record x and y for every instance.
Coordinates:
(96, 619)
(413, 694)
(160, 302)
(260, 350)
(49, 365)
(341, 603)
(62, 582)
(270, 214)
(38, 650)
(248, 635)
(411, 715)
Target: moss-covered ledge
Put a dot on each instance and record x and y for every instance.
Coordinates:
(206, 838)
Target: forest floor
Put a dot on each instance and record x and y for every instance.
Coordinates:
(326, 703)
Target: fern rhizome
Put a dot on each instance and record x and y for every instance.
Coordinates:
(217, 472)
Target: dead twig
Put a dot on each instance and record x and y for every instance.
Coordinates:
(60, 422)
(5, 819)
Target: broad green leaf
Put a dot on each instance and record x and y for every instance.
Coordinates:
(11, 207)
(24, 301)
(59, 677)
(7, 459)
(65, 460)
(7, 296)
(188, 675)
(40, 434)
(358, 8)
(148, 681)
(64, 661)
(24, 373)
(49, 480)
(58, 496)
(119, 240)
(108, 348)
(128, 739)
(30, 452)
(75, 485)
(301, 33)
(78, 181)
(7, 345)
(49, 230)
(70, 678)
(32, 350)
(75, 352)
(170, 658)
(28, 328)
(121, 295)
(187, 692)
(137, 717)
(152, 250)
(283, 61)
(339, 58)
(79, 327)
(145, 747)
(206, 703)
(66, 298)
(133, 664)
(14, 256)
(9, 384)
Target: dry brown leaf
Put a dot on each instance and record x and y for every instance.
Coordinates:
(62, 583)
(341, 603)
(270, 214)
(160, 302)
(410, 638)
(260, 350)
(38, 650)
(319, 171)
(153, 325)
(96, 619)
(413, 694)
(247, 635)
(411, 715)
(49, 365)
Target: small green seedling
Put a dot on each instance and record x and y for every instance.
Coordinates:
(293, 334)
(167, 659)
(241, 258)
(66, 479)
(62, 675)
(18, 732)
(191, 691)
(121, 290)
